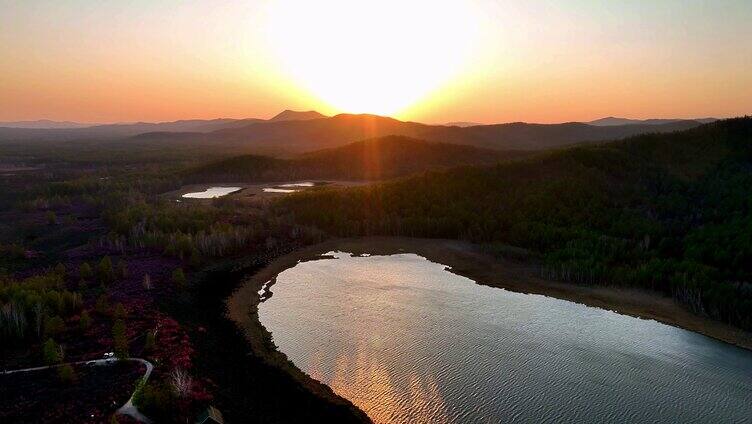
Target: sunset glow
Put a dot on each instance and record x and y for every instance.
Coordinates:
(469, 60)
(376, 56)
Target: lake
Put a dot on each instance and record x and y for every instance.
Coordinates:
(406, 340)
(212, 192)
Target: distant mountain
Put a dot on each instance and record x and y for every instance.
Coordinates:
(115, 131)
(374, 159)
(302, 136)
(50, 130)
(462, 124)
(43, 124)
(612, 121)
(291, 115)
(284, 135)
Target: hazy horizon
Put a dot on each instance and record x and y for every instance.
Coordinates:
(476, 61)
(210, 118)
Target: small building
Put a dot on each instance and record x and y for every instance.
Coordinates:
(210, 416)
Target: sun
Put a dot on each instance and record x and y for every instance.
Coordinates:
(378, 56)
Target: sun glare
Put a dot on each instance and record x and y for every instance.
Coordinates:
(372, 56)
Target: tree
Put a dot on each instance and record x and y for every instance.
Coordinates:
(84, 322)
(60, 269)
(195, 258)
(120, 339)
(85, 271)
(122, 268)
(120, 312)
(104, 270)
(51, 352)
(156, 399)
(53, 326)
(181, 382)
(66, 373)
(103, 305)
(178, 277)
(51, 218)
(150, 341)
(39, 316)
(147, 282)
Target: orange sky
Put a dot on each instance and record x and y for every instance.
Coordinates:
(476, 60)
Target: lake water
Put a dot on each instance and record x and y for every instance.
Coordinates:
(408, 341)
(212, 192)
(289, 187)
(303, 184)
(278, 190)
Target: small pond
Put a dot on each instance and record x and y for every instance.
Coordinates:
(212, 192)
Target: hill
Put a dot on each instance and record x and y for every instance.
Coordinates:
(462, 124)
(119, 131)
(665, 212)
(374, 159)
(611, 121)
(295, 136)
(302, 136)
(291, 115)
(51, 130)
(43, 124)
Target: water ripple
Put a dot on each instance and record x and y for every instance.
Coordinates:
(408, 341)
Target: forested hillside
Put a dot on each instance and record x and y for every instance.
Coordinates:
(671, 213)
(374, 159)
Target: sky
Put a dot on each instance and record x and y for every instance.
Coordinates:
(430, 61)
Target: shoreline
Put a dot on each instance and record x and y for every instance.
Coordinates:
(467, 260)
(242, 310)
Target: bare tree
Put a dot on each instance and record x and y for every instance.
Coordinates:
(147, 282)
(39, 317)
(181, 382)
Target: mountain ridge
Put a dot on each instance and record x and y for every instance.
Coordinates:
(292, 115)
(612, 121)
(294, 136)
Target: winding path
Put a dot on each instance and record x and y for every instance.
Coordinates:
(129, 408)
